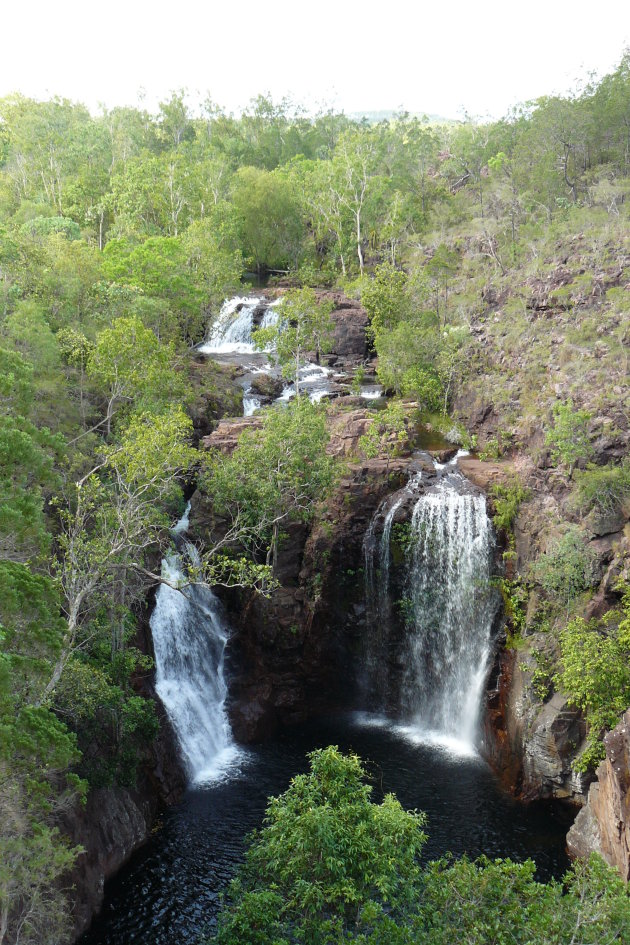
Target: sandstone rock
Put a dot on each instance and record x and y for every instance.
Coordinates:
(346, 429)
(603, 825)
(226, 436)
(532, 746)
(483, 474)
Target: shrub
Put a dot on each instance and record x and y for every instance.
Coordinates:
(603, 488)
(507, 498)
(569, 440)
(595, 675)
(567, 568)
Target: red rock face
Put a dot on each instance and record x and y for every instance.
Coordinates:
(603, 825)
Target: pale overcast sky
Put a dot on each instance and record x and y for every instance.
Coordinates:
(436, 57)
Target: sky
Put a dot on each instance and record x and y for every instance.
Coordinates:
(443, 58)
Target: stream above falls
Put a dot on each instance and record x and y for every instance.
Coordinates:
(169, 892)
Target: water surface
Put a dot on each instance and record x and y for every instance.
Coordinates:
(169, 892)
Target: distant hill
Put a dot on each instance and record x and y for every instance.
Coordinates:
(374, 117)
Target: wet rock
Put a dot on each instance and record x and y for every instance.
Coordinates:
(113, 823)
(267, 386)
(532, 745)
(603, 825)
(216, 394)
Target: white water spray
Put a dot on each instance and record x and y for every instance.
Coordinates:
(449, 608)
(189, 639)
(234, 327)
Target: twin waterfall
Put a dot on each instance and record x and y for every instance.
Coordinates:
(189, 638)
(448, 608)
(431, 674)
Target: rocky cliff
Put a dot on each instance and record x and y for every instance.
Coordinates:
(603, 824)
(294, 655)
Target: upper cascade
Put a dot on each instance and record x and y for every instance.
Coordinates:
(189, 640)
(233, 330)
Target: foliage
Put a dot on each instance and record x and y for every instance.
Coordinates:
(595, 674)
(44, 226)
(327, 864)
(542, 676)
(604, 488)
(566, 569)
(569, 439)
(387, 434)
(506, 499)
(132, 367)
(304, 325)
(514, 597)
(276, 474)
(385, 298)
(331, 866)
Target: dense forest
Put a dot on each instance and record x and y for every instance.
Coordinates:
(120, 236)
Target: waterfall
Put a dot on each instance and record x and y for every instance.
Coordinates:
(233, 329)
(450, 611)
(189, 639)
(376, 557)
(449, 607)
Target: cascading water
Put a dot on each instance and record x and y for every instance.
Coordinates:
(235, 325)
(189, 639)
(450, 611)
(449, 608)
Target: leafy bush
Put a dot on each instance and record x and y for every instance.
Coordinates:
(567, 568)
(328, 861)
(507, 498)
(569, 440)
(603, 488)
(45, 226)
(595, 675)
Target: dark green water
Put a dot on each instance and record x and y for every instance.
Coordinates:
(169, 893)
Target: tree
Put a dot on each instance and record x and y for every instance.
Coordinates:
(116, 513)
(276, 474)
(160, 268)
(357, 182)
(440, 268)
(327, 865)
(385, 298)
(304, 325)
(131, 366)
(269, 217)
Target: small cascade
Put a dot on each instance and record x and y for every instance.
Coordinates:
(250, 403)
(436, 669)
(234, 327)
(189, 639)
(376, 557)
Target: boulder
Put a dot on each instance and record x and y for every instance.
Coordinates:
(265, 385)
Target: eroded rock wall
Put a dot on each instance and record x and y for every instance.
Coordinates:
(603, 824)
